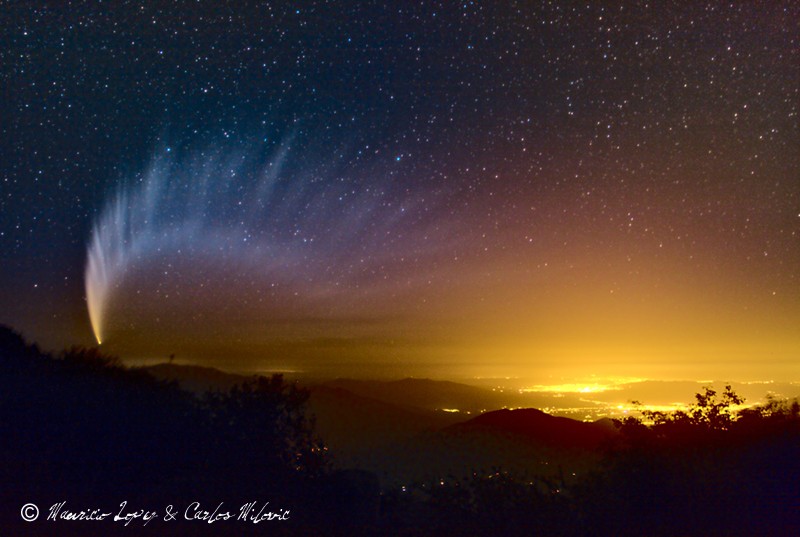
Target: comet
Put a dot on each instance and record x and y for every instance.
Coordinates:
(331, 243)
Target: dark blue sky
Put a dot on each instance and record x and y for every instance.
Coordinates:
(645, 150)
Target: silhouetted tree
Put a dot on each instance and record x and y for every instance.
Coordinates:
(85, 426)
(711, 469)
(265, 419)
(709, 412)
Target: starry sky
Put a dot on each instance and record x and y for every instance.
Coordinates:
(393, 188)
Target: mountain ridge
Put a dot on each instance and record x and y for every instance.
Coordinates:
(534, 425)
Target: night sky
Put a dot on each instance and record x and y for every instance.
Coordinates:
(386, 188)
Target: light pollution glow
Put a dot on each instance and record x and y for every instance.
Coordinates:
(222, 254)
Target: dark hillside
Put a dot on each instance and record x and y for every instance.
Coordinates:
(536, 426)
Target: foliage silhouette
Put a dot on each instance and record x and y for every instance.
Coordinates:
(81, 427)
(710, 470)
(265, 420)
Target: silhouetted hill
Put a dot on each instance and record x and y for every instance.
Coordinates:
(80, 427)
(196, 379)
(424, 393)
(353, 425)
(536, 426)
(392, 428)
